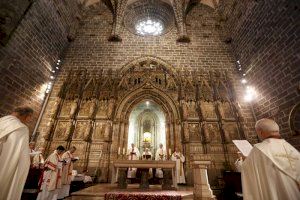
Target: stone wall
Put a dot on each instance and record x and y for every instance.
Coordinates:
(32, 51)
(265, 39)
(92, 51)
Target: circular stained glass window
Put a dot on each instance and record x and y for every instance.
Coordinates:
(149, 27)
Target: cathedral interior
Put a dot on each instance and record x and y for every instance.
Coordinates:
(192, 74)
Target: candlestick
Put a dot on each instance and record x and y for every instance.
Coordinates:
(119, 151)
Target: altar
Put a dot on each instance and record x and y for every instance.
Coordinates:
(120, 168)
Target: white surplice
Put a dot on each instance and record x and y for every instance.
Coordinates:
(180, 177)
(132, 171)
(52, 178)
(271, 171)
(14, 157)
(66, 176)
(160, 155)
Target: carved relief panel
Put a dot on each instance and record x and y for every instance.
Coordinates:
(101, 130)
(212, 133)
(194, 132)
(87, 108)
(102, 109)
(82, 130)
(66, 108)
(208, 111)
(231, 131)
(63, 129)
(226, 111)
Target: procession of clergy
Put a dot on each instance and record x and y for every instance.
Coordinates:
(270, 172)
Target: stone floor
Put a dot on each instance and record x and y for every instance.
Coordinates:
(97, 192)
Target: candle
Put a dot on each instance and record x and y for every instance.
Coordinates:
(123, 151)
(170, 153)
(100, 154)
(119, 151)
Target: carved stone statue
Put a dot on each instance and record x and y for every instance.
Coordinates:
(186, 131)
(68, 130)
(107, 130)
(225, 110)
(194, 131)
(92, 107)
(192, 112)
(74, 106)
(171, 84)
(102, 109)
(99, 131)
(211, 133)
(87, 131)
(110, 108)
(230, 131)
(184, 109)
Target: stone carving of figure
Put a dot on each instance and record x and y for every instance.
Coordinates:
(225, 110)
(68, 130)
(92, 107)
(74, 105)
(230, 131)
(210, 133)
(123, 83)
(194, 130)
(107, 130)
(80, 130)
(85, 134)
(184, 109)
(84, 107)
(66, 108)
(186, 130)
(110, 108)
(208, 110)
(222, 91)
(102, 108)
(192, 109)
(99, 131)
(171, 85)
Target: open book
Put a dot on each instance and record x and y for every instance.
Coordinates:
(244, 146)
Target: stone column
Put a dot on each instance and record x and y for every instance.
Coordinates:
(202, 189)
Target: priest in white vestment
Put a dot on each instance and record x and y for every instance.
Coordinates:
(67, 169)
(133, 154)
(272, 169)
(14, 153)
(52, 176)
(160, 155)
(180, 159)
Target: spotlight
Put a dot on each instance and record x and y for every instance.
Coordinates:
(244, 81)
(250, 94)
(52, 77)
(53, 71)
(240, 69)
(57, 67)
(59, 61)
(244, 74)
(238, 62)
(147, 103)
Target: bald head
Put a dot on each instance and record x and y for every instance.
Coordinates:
(266, 128)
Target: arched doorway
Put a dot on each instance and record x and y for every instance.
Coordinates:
(147, 126)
